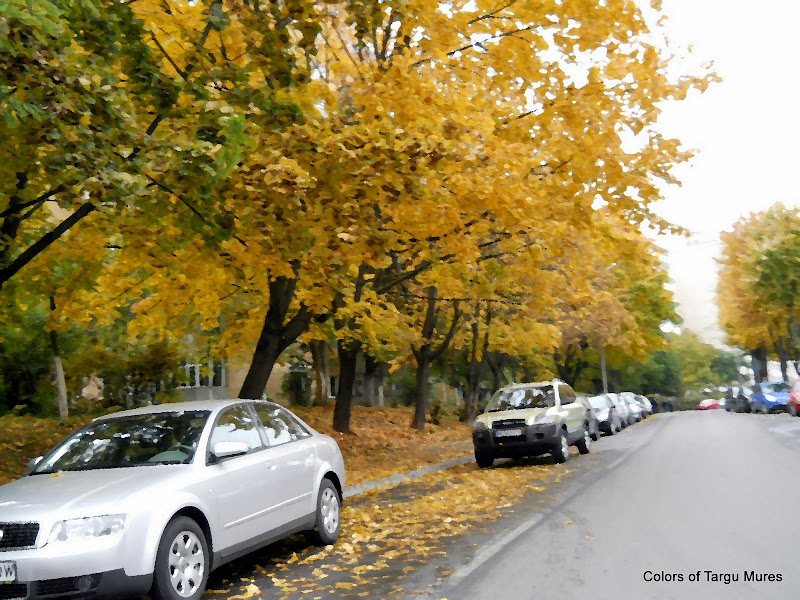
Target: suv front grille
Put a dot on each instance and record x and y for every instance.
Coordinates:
(14, 536)
(508, 423)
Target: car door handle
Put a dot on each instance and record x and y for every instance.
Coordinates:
(272, 467)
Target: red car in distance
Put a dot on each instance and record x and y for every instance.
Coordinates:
(794, 399)
(708, 404)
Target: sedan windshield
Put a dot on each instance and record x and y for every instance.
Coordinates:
(137, 440)
(776, 387)
(541, 397)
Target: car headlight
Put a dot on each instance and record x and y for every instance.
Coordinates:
(89, 527)
(770, 398)
(480, 426)
(544, 418)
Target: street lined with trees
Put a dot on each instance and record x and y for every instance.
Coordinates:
(394, 179)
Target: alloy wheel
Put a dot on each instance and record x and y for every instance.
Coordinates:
(186, 564)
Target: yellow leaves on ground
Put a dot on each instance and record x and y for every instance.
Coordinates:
(382, 443)
(412, 526)
(25, 437)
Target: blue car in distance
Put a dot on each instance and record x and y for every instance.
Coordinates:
(770, 397)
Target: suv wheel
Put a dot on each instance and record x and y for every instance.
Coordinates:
(182, 562)
(329, 511)
(560, 451)
(484, 460)
(584, 444)
(792, 410)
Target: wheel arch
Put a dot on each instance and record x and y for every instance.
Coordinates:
(334, 479)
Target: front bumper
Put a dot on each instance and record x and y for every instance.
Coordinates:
(113, 585)
(533, 439)
(73, 569)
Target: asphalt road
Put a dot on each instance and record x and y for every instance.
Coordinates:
(683, 495)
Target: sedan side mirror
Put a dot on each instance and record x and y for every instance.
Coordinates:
(227, 449)
(32, 464)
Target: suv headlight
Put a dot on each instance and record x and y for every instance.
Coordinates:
(544, 418)
(480, 426)
(89, 527)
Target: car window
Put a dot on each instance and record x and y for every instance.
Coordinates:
(566, 394)
(236, 424)
(131, 441)
(778, 387)
(280, 426)
(520, 398)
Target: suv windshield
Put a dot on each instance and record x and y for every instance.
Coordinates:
(137, 440)
(598, 402)
(540, 397)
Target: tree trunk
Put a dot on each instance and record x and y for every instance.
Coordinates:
(422, 388)
(426, 354)
(759, 362)
(348, 357)
(276, 335)
(63, 408)
(496, 366)
(322, 377)
(371, 380)
(603, 368)
(473, 377)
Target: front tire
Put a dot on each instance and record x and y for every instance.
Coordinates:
(484, 460)
(560, 452)
(792, 410)
(329, 515)
(584, 444)
(182, 562)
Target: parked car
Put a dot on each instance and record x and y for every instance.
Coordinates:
(633, 406)
(708, 404)
(529, 419)
(607, 417)
(647, 406)
(623, 410)
(770, 397)
(592, 425)
(638, 406)
(151, 500)
(736, 400)
(794, 399)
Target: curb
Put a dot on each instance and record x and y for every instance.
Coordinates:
(368, 486)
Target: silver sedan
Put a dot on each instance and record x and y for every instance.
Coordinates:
(151, 500)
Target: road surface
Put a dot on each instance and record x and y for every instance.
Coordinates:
(692, 499)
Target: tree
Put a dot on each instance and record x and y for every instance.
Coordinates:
(758, 286)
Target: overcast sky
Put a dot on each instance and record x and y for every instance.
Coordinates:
(744, 128)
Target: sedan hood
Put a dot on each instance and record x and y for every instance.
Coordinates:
(80, 493)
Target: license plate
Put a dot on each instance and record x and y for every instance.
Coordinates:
(508, 433)
(8, 571)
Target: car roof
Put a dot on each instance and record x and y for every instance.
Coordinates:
(537, 384)
(210, 405)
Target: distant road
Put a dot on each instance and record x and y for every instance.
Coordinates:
(678, 494)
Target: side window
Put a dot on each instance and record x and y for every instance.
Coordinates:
(279, 425)
(236, 424)
(565, 394)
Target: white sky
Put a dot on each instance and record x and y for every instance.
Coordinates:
(745, 129)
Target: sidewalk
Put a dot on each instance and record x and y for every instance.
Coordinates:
(368, 486)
